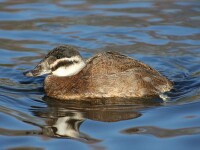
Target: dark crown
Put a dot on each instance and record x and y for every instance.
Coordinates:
(63, 51)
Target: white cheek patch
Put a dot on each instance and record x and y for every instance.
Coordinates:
(69, 70)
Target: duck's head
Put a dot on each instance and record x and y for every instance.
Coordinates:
(61, 61)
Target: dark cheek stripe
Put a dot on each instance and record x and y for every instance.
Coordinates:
(63, 64)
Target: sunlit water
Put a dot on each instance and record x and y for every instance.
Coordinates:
(165, 35)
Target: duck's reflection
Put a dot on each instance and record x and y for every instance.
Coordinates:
(63, 119)
(65, 124)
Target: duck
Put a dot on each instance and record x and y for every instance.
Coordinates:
(105, 75)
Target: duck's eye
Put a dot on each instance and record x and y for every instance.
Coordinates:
(58, 57)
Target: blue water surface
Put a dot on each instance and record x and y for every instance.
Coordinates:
(163, 34)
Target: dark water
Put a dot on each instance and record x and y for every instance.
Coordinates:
(165, 35)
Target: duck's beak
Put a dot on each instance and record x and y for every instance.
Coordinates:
(28, 73)
(41, 69)
(35, 73)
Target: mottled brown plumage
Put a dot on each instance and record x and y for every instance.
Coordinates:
(108, 74)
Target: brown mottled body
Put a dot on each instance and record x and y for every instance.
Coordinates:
(108, 74)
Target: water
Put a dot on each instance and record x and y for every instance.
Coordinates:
(165, 35)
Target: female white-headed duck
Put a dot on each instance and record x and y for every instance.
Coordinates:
(105, 75)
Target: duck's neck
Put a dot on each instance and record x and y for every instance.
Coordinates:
(71, 70)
